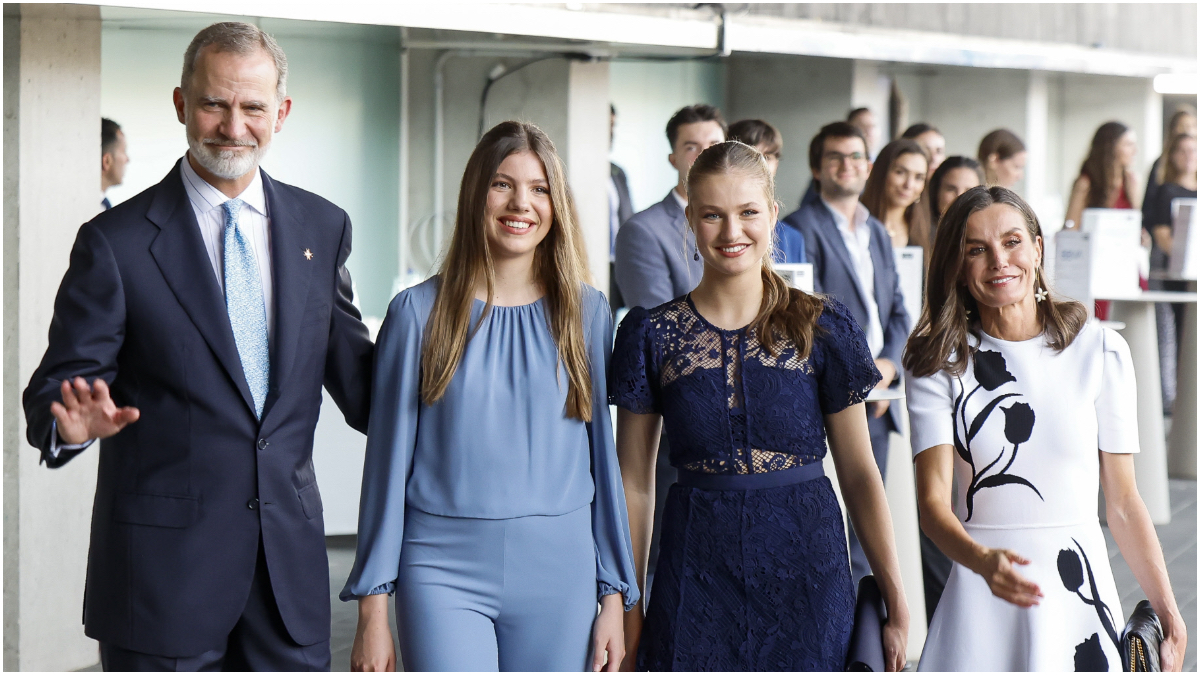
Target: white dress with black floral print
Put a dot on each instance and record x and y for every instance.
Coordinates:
(1027, 424)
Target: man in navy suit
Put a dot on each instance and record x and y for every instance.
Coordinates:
(853, 261)
(193, 332)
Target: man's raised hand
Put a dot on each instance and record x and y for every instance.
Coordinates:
(89, 412)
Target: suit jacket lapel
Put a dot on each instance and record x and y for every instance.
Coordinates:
(179, 251)
(830, 229)
(679, 222)
(291, 274)
(882, 287)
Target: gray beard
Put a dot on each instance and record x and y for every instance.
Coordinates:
(227, 164)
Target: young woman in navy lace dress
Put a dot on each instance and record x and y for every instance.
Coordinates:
(749, 376)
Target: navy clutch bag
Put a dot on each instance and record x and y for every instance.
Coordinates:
(866, 642)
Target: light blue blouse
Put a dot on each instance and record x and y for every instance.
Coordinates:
(497, 445)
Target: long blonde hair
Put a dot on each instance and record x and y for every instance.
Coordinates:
(785, 312)
(559, 265)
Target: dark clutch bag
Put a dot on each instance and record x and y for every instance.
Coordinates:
(866, 642)
(1140, 640)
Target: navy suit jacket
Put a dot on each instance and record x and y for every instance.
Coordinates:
(833, 274)
(656, 257)
(185, 494)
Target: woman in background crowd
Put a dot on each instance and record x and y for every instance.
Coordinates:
(931, 139)
(1183, 122)
(955, 176)
(749, 378)
(1031, 407)
(1106, 179)
(492, 503)
(1179, 181)
(1002, 154)
(765, 138)
(893, 192)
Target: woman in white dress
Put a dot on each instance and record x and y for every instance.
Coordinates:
(1030, 407)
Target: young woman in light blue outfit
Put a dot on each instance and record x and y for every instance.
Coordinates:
(492, 502)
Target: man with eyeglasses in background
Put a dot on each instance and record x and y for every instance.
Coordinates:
(852, 259)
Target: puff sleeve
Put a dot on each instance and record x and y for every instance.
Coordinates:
(1116, 404)
(631, 380)
(845, 370)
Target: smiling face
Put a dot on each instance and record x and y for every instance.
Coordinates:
(935, 145)
(954, 183)
(844, 167)
(230, 110)
(691, 140)
(519, 211)
(1009, 171)
(733, 219)
(905, 180)
(1000, 257)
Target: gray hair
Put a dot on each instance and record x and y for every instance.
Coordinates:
(239, 38)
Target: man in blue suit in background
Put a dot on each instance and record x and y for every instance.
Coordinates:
(656, 258)
(853, 261)
(193, 332)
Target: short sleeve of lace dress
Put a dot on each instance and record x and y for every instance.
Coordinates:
(846, 372)
(631, 382)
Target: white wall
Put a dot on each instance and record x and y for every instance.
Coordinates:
(646, 95)
(799, 95)
(341, 140)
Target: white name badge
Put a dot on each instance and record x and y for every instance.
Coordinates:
(797, 275)
(1183, 232)
(910, 267)
(1116, 246)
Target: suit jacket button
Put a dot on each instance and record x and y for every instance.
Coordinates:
(262, 444)
(252, 504)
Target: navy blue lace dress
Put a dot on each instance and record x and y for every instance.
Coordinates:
(752, 572)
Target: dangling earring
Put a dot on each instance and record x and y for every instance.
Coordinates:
(696, 255)
(1041, 294)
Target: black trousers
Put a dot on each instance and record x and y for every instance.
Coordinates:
(259, 642)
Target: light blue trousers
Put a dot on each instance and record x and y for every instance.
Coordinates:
(487, 595)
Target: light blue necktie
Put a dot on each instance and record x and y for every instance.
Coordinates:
(247, 310)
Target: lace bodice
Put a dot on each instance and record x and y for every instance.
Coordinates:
(728, 405)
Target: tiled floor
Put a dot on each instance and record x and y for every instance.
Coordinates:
(1178, 541)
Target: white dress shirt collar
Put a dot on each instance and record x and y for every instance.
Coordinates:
(205, 197)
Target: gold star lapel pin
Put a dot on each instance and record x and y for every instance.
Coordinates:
(307, 254)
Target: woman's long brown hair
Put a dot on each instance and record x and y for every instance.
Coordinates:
(874, 195)
(559, 265)
(939, 342)
(1098, 166)
(785, 312)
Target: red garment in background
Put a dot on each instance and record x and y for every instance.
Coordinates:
(1122, 202)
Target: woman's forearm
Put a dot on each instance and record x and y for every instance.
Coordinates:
(872, 520)
(946, 531)
(1134, 533)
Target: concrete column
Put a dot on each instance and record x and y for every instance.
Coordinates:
(871, 89)
(587, 159)
(51, 186)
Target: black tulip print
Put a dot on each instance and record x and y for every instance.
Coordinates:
(991, 372)
(1089, 656)
(1071, 572)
